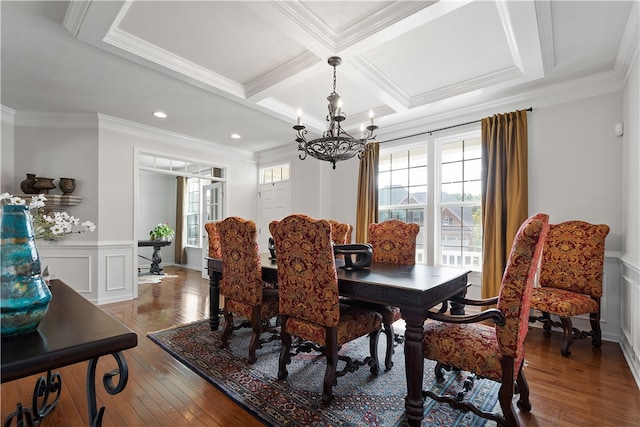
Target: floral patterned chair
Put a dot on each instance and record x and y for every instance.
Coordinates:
(493, 352)
(571, 279)
(340, 232)
(393, 241)
(310, 307)
(215, 251)
(242, 285)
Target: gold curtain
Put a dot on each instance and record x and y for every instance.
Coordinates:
(180, 254)
(504, 192)
(367, 208)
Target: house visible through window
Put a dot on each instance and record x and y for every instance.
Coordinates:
(449, 216)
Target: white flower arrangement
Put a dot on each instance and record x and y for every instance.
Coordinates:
(49, 226)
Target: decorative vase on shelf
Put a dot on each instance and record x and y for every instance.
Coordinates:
(24, 297)
(27, 185)
(44, 184)
(67, 185)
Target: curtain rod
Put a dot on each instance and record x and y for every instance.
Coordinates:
(438, 130)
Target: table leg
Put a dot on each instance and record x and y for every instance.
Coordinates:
(95, 415)
(414, 366)
(41, 407)
(214, 300)
(156, 259)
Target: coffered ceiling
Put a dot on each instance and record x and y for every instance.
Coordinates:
(219, 67)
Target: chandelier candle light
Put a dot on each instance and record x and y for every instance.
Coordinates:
(335, 144)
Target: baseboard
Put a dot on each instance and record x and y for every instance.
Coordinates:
(632, 360)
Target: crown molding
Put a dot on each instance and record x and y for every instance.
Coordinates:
(149, 132)
(465, 108)
(628, 50)
(74, 18)
(150, 52)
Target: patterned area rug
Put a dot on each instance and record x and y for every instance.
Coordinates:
(361, 399)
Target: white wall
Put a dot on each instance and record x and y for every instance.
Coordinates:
(7, 151)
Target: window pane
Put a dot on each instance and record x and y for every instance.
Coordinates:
(384, 162)
(451, 192)
(384, 179)
(418, 195)
(472, 169)
(418, 176)
(398, 195)
(451, 172)
(418, 157)
(472, 149)
(472, 191)
(400, 177)
(384, 197)
(400, 160)
(452, 152)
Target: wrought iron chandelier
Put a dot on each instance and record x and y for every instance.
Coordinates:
(335, 144)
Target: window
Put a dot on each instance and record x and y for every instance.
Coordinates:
(274, 174)
(193, 212)
(460, 227)
(449, 216)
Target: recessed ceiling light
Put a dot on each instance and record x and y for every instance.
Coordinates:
(235, 136)
(160, 114)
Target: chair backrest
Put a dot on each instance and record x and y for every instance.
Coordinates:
(241, 268)
(394, 241)
(517, 283)
(307, 278)
(214, 240)
(573, 257)
(339, 231)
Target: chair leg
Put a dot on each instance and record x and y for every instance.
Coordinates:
(228, 328)
(256, 326)
(567, 327)
(331, 354)
(388, 359)
(546, 322)
(523, 390)
(505, 396)
(285, 349)
(596, 333)
(374, 337)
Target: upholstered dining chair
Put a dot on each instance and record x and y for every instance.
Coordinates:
(242, 285)
(394, 242)
(493, 352)
(339, 231)
(571, 279)
(310, 307)
(215, 251)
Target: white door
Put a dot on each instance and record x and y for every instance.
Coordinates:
(275, 204)
(212, 210)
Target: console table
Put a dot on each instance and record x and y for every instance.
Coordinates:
(74, 330)
(156, 259)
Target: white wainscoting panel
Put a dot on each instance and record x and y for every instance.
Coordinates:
(630, 315)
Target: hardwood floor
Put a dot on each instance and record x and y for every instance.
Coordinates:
(591, 388)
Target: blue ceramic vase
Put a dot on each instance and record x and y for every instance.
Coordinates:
(25, 296)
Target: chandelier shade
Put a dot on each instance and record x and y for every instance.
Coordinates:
(335, 144)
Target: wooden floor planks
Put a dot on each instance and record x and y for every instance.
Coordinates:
(592, 387)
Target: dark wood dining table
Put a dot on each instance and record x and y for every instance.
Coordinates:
(73, 330)
(413, 288)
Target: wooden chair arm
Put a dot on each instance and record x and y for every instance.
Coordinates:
(491, 314)
(465, 301)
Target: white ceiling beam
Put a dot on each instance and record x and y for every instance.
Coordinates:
(521, 30)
